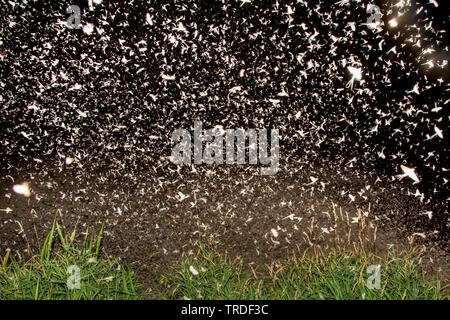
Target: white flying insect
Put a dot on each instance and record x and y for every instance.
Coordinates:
(181, 196)
(149, 19)
(289, 10)
(88, 28)
(23, 189)
(245, 1)
(438, 132)
(76, 86)
(356, 74)
(313, 180)
(274, 232)
(428, 213)
(193, 271)
(69, 160)
(408, 172)
(434, 3)
(168, 77)
(181, 28)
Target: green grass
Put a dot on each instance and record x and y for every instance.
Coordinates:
(316, 275)
(47, 276)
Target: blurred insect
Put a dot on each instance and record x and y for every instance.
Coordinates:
(408, 172)
(356, 74)
(22, 189)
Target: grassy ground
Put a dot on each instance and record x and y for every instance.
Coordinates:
(71, 273)
(339, 274)
(76, 272)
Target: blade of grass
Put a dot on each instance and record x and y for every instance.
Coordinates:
(99, 239)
